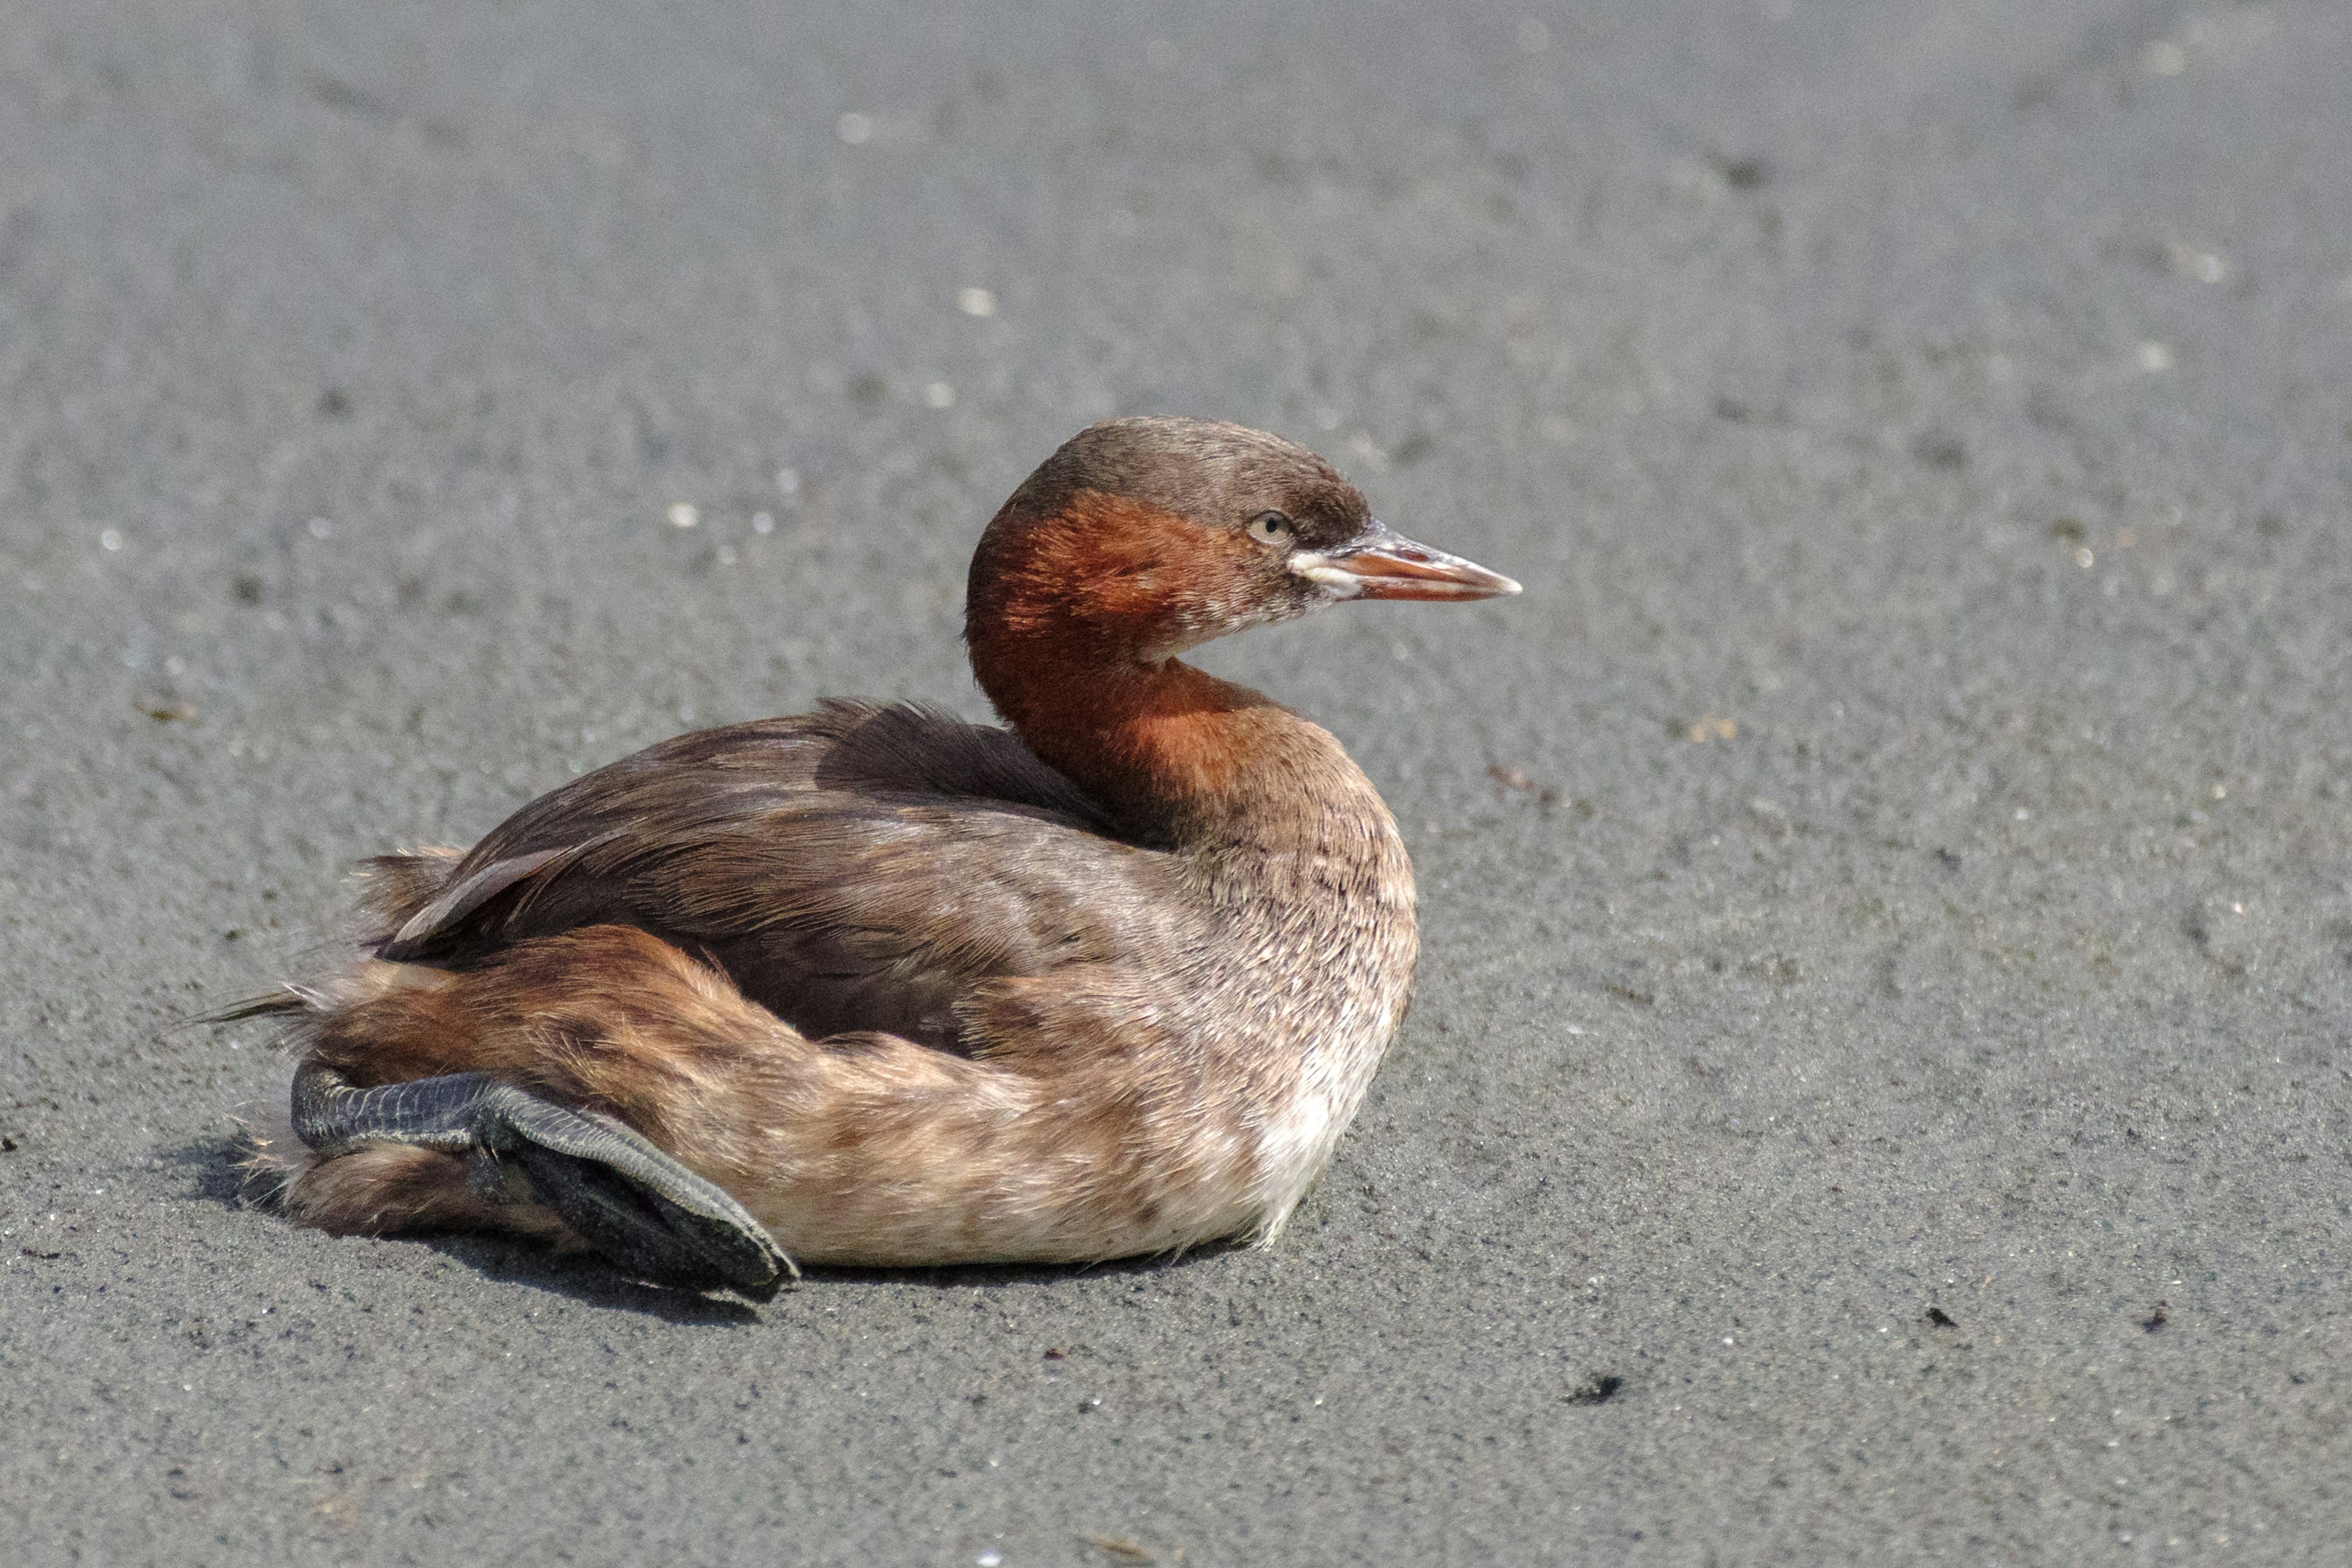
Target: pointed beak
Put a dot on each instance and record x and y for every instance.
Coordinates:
(1381, 564)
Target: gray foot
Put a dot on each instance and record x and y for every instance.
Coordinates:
(650, 1215)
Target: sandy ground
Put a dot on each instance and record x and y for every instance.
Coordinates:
(1879, 1089)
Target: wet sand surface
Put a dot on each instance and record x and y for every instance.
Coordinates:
(1878, 1089)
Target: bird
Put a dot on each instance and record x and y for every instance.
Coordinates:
(872, 985)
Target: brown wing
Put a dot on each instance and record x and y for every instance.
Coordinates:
(855, 869)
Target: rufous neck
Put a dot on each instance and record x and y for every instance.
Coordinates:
(1177, 756)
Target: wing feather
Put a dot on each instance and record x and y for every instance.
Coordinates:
(858, 868)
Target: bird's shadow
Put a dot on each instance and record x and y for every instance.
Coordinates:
(1011, 1276)
(216, 1169)
(221, 1170)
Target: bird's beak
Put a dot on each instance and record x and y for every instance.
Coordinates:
(1381, 564)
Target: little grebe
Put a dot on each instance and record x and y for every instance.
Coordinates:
(872, 985)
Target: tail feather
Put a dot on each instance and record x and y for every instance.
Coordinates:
(392, 888)
(285, 1002)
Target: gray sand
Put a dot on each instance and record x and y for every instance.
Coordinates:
(1885, 894)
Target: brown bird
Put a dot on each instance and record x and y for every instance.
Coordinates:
(872, 985)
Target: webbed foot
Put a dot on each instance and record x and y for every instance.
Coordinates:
(653, 1218)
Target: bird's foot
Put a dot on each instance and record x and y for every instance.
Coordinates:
(653, 1218)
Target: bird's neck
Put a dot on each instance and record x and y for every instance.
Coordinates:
(1179, 759)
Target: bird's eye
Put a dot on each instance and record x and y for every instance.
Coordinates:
(1270, 528)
